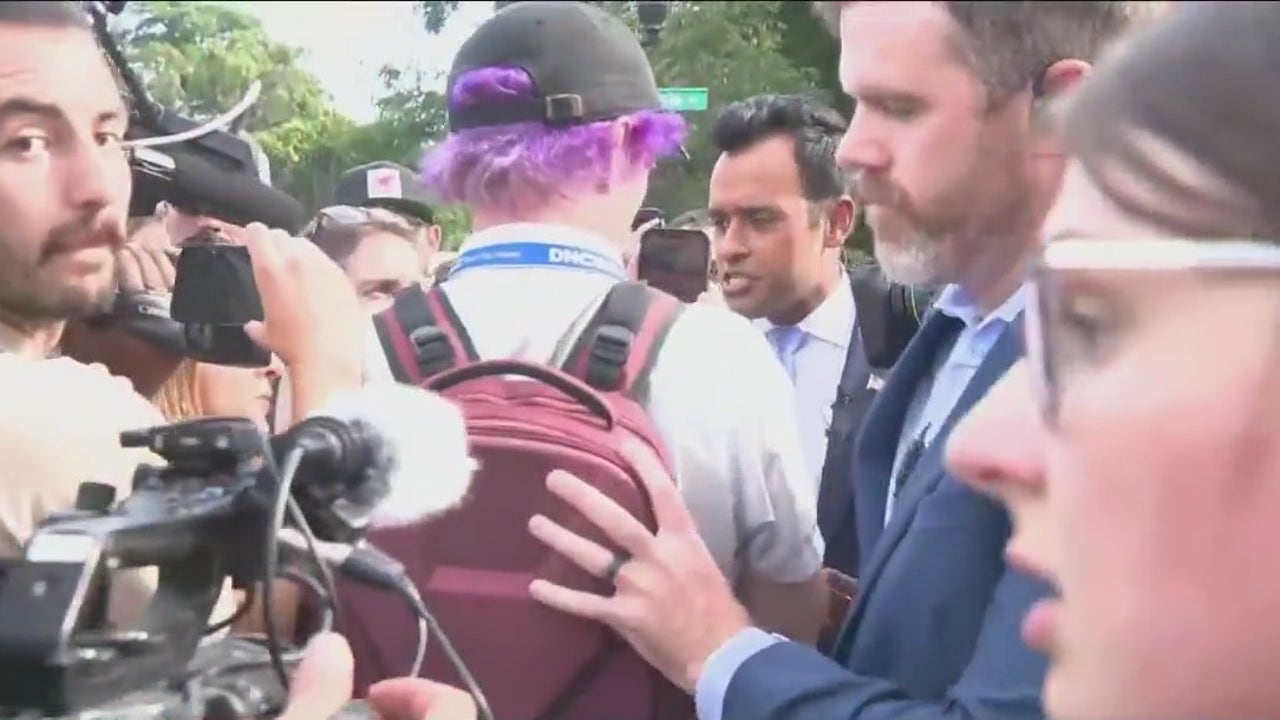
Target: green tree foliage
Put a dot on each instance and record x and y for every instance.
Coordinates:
(435, 13)
(735, 50)
(200, 59)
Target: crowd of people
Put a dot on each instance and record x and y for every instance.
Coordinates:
(1021, 467)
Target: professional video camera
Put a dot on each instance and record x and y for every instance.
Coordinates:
(216, 510)
(200, 168)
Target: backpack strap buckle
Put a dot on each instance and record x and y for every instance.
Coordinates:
(422, 335)
(616, 350)
(610, 349)
(435, 353)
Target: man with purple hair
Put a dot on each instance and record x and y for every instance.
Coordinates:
(556, 124)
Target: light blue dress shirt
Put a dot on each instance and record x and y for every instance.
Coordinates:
(934, 399)
(932, 403)
(815, 365)
(787, 341)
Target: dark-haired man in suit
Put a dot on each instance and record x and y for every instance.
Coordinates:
(780, 210)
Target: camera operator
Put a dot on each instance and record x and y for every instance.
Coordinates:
(64, 194)
(180, 224)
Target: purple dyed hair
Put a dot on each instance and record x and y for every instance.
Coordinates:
(522, 167)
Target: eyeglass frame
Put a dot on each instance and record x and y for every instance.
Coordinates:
(1136, 255)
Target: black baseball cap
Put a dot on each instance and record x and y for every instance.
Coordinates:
(386, 185)
(586, 66)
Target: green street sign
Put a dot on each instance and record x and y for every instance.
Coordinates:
(681, 99)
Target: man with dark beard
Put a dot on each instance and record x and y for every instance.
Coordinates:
(64, 194)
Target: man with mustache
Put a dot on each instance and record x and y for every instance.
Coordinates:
(64, 195)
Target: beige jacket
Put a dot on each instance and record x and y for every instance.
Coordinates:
(60, 422)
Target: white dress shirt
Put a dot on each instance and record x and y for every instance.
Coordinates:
(716, 395)
(818, 365)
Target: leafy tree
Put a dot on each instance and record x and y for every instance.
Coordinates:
(807, 43)
(409, 115)
(200, 58)
(435, 13)
(734, 49)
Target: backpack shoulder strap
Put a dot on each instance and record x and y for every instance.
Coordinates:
(617, 349)
(422, 336)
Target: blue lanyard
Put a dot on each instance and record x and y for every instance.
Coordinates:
(533, 254)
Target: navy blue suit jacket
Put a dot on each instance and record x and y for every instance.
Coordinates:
(935, 632)
(836, 520)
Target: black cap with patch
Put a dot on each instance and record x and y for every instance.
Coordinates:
(586, 66)
(387, 185)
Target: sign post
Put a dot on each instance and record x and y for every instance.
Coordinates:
(684, 99)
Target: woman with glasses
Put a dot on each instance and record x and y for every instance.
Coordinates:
(1136, 446)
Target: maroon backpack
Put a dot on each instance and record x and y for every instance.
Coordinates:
(474, 564)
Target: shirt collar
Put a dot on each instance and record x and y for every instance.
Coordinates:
(545, 233)
(830, 322)
(956, 302)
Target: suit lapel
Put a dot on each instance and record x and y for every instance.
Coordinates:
(877, 443)
(929, 471)
(835, 493)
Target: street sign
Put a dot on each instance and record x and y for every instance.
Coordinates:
(684, 99)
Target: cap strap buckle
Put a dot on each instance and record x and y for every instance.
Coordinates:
(563, 109)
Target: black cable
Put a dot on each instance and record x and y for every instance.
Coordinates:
(330, 589)
(410, 593)
(241, 611)
(317, 590)
(142, 103)
(270, 560)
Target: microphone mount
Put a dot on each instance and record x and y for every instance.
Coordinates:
(192, 148)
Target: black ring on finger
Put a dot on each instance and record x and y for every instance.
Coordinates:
(614, 567)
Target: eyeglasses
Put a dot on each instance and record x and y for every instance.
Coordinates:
(1045, 352)
(355, 215)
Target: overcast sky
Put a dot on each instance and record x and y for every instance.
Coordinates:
(346, 43)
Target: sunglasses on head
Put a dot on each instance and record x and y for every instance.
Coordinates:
(1047, 351)
(356, 215)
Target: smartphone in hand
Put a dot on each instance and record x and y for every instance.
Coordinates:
(677, 262)
(214, 295)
